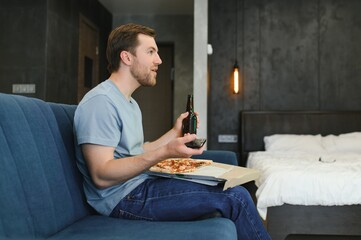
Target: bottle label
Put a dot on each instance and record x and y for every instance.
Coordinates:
(190, 124)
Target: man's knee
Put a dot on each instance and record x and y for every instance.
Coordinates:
(241, 193)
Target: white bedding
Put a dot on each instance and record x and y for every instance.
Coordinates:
(299, 178)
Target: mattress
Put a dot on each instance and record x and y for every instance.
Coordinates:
(306, 178)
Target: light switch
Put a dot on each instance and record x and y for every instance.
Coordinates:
(24, 88)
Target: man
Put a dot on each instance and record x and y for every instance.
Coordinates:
(112, 156)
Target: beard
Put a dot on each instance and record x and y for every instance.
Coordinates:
(145, 77)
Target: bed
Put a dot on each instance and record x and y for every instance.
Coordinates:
(323, 127)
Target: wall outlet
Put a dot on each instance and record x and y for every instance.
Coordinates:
(227, 138)
(24, 88)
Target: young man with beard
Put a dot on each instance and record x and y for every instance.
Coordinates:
(112, 155)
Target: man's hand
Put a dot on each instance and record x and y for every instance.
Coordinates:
(178, 124)
(177, 147)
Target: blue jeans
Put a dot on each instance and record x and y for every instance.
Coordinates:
(163, 199)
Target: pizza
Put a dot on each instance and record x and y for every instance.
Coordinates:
(180, 165)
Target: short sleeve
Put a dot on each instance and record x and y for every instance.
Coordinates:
(96, 122)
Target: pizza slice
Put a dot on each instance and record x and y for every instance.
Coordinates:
(180, 165)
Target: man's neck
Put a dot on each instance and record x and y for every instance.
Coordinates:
(125, 83)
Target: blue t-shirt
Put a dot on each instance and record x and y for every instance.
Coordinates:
(106, 117)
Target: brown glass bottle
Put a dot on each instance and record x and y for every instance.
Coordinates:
(190, 122)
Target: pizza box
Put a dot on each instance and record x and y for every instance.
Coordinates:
(215, 174)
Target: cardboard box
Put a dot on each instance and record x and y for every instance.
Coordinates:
(216, 173)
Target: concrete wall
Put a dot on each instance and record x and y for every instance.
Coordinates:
(293, 55)
(39, 45)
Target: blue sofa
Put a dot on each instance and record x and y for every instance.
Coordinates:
(41, 188)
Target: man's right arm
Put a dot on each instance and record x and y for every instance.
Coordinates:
(107, 171)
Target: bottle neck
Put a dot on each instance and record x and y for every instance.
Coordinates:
(190, 103)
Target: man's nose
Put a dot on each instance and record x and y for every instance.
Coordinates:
(158, 60)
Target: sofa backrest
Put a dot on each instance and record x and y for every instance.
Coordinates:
(40, 186)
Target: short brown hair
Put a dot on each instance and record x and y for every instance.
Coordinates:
(124, 38)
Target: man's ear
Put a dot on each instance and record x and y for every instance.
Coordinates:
(125, 57)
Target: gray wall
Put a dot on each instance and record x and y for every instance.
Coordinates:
(22, 41)
(178, 30)
(293, 55)
(39, 44)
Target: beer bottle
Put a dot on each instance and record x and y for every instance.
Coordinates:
(190, 122)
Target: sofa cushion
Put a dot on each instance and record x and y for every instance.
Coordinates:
(221, 156)
(39, 183)
(99, 227)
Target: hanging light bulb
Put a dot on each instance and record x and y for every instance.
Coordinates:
(235, 67)
(235, 79)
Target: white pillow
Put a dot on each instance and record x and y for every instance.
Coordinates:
(351, 134)
(294, 142)
(348, 142)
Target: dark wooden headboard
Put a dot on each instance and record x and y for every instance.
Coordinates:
(255, 125)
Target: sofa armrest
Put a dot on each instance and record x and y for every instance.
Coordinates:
(221, 156)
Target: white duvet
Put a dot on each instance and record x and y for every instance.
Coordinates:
(300, 178)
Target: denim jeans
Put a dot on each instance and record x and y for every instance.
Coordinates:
(163, 199)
